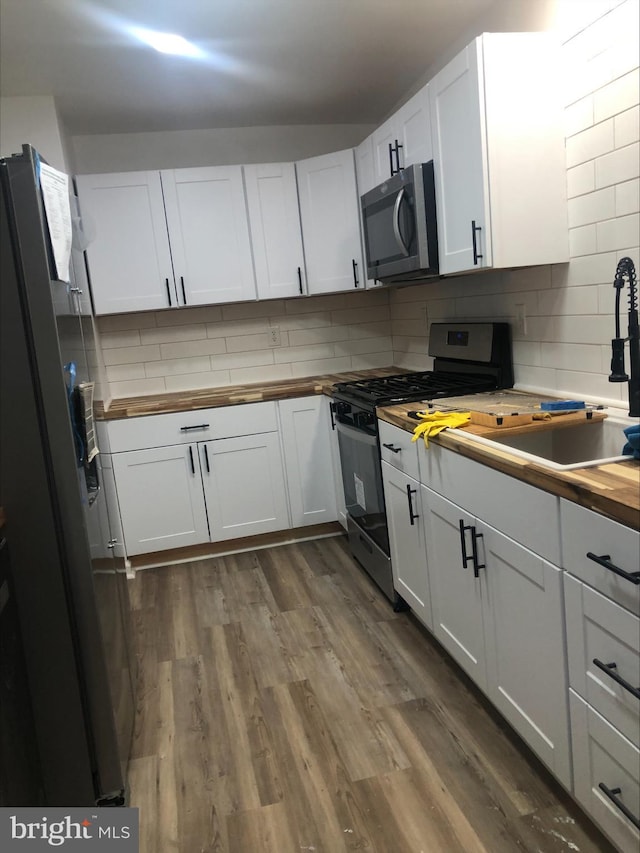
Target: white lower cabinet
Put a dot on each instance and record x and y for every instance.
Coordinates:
(305, 431)
(497, 609)
(244, 486)
(605, 769)
(405, 521)
(160, 498)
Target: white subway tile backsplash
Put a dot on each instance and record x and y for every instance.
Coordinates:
(122, 322)
(189, 349)
(626, 127)
(592, 207)
(578, 116)
(628, 198)
(568, 300)
(364, 345)
(242, 343)
(536, 377)
(616, 97)
(594, 269)
(122, 372)
(171, 334)
(367, 361)
(617, 233)
(248, 310)
(581, 179)
(410, 328)
(309, 353)
(175, 366)
(582, 241)
(348, 316)
(250, 358)
(527, 352)
(131, 355)
(618, 166)
(184, 382)
(253, 375)
(137, 387)
(188, 315)
(591, 143)
(584, 357)
(123, 338)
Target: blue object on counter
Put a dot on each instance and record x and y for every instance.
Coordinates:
(562, 405)
(632, 447)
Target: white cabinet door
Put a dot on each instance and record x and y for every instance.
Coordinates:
(160, 498)
(209, 233)
(462, 194)
(365, 172)
(276, 236)
(129, 257)
(524, 641)
(305, 438)
(405, 520)
(499, 155)
(244, 486)
(329, 210)
(404, 139)
(413, 129)
(456, 595)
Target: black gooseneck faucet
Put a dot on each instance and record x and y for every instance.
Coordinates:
(627, 269)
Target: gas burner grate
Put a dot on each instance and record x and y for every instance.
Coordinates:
(405, 387)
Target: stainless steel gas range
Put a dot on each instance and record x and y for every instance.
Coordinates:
(469, 358)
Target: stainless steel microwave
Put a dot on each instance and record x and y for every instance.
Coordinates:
(399, 225)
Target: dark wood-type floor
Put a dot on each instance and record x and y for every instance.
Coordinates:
(285, 707)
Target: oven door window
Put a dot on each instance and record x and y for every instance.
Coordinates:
(362, 480)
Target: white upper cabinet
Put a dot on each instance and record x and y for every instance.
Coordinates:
(276, 237)
(330, 222)
(498, 150)
(404, 139)
(129, 256)
(209, 234)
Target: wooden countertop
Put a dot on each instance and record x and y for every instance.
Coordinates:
(230, 395)
(613, 490)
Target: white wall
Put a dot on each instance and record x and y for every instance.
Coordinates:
(125, 152)
(569, 307)
(33, 120)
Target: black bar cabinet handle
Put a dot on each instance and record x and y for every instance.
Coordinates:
(195, 426)
(184, 295)
(166, 281)
(474, 552)
(610, 668)
(391, 169)
(612, 794)
(354, 264)
(299, 279)
(474, 229)
(193, 467)
(399, 145)
(605, 560)
(392, 448)
(412, 515)
(206, 459)
(463, 544)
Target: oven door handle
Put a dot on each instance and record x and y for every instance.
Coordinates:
(357, 434)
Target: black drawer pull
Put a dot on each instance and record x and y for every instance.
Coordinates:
(612, 794)
(610, 669)
(392, 448)
(463, 544)
(474, 230)
(206, 459)
(195, 426)
(474, 552)
(605, 560)
(412, 515)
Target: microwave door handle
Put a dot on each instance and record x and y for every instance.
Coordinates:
(396, 224)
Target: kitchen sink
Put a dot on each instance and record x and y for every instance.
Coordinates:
(564, 448)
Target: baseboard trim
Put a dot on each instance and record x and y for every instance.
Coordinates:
(191, 553)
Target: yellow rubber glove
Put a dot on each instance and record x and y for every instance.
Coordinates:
(435, 422)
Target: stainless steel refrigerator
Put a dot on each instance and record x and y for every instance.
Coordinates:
(70, 593)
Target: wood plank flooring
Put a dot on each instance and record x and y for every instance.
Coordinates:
(285, 707)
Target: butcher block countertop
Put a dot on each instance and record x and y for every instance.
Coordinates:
(613, 490)
(230, 395)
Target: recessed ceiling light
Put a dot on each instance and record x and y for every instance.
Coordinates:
(168, 43)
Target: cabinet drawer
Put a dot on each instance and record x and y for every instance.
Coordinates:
(586, 532)
(599, 629)
(187, 427)
(398, 450)
(601, 755)
(520, 511)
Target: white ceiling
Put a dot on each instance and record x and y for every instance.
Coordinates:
(267, 62)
